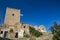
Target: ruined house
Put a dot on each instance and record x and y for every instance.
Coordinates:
(13, 28)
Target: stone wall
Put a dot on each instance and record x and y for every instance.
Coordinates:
(12, 16)
(45, 36)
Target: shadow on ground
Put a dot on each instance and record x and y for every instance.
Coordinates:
(4, 38)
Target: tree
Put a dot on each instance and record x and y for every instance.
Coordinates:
(55, 29)
(34, 32)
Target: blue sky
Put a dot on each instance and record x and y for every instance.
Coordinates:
(36, 12)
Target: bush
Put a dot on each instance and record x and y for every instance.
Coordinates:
(11, 30)
(26, 35)
(34, 32)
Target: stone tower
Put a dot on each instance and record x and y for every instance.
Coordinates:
(12, 16)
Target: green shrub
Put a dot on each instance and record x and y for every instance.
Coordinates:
(26, 35)
(34, 32)
(11, 30)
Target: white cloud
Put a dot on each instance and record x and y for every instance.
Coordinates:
(21, 15)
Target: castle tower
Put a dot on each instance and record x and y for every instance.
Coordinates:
(12, 16)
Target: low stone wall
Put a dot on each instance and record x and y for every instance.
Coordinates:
(46, 36)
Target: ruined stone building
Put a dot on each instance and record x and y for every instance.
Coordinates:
(12, 28)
